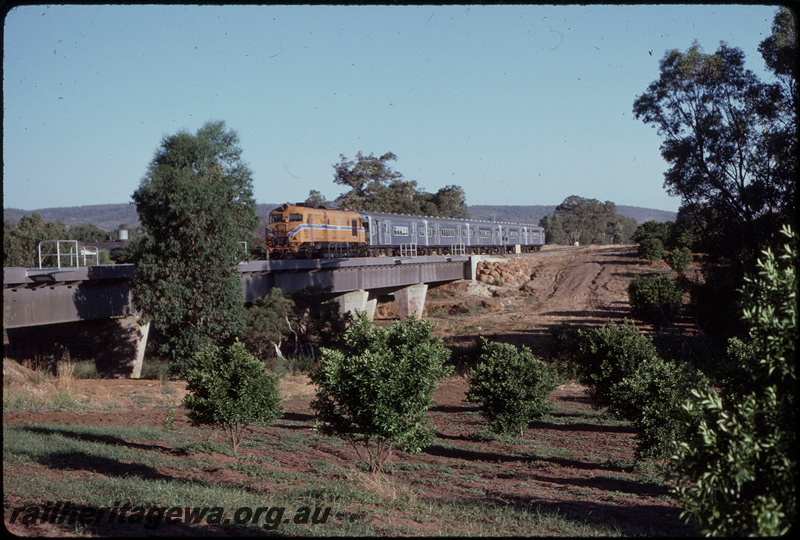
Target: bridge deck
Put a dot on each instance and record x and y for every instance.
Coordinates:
(37, 296)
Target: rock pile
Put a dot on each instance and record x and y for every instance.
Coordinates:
(510, 273)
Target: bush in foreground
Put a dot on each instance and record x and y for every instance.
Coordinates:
(510, 387)
(737, 468)
(232, 389)
(611, 353)
(651, 398)
(375, 391)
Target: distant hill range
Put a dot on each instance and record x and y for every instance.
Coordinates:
(110, 216)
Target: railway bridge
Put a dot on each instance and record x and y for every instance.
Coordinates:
(89, 310)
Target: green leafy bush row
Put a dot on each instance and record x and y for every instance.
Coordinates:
(510, 386)
(656, 299)
(626, 374)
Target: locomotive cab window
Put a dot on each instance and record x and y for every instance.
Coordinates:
(295, 217)
(276, 218)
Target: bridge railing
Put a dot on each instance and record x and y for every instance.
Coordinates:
(65, 250)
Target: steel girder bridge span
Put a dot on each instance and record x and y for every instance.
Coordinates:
(89, 310)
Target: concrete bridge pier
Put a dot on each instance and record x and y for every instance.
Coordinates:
(119, 347)
(357, 300)
(411, 300)
(117, 344)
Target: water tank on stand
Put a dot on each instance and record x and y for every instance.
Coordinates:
(122, 235)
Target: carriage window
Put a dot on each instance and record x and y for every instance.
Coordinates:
(401, 231)
(354, 227)
(448, 232)
(514, 234)
(486, 233)
(295, 217)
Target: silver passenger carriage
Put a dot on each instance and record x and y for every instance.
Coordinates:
(400, 235)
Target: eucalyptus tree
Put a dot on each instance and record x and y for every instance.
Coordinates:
(375, 187)
(21, 241)
(587, 221)
(196, 205)
(729, 138)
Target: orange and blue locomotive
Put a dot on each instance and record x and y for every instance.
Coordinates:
(299, 231)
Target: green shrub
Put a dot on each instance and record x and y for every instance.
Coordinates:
(611, 353)
(651, 249)
(232, 389)
(565, 342)
(655, 298)
(679, 259)
(510, 387)
(660, 230)
(737, 468)
(652, 399)
(375, 390)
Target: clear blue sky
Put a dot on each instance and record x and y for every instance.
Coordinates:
(516, 104)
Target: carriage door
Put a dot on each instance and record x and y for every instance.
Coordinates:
(413, 232)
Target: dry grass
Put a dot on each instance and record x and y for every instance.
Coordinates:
(33, 386)
(295, 386)
(385, 489)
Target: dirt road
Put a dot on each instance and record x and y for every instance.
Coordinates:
(519, 299)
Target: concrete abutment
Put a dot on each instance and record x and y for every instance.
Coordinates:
(117, 345)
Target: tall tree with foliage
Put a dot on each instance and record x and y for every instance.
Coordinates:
(780, 53)
(587, 221)
(21, 242)
(737, 468)
(196, 205)
(375, 187)
(315, 198)
(728, 137)
(90, 234)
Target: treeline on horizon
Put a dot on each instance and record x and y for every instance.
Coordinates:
(109, 217)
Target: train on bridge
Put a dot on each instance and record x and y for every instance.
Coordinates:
(301, 231)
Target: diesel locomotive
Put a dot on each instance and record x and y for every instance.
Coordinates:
(300, 231)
